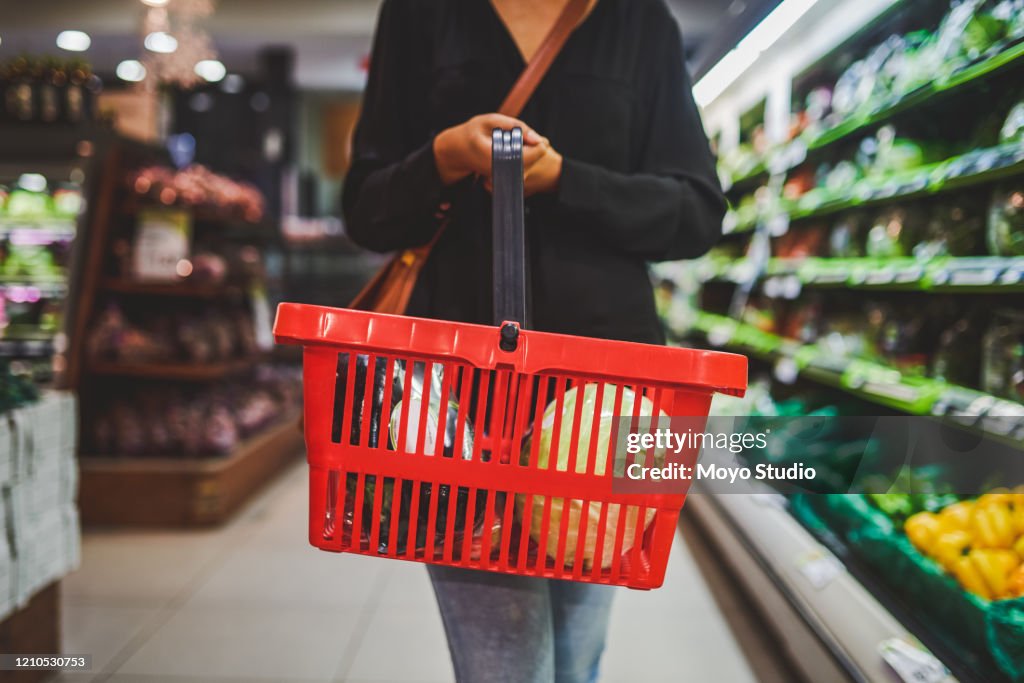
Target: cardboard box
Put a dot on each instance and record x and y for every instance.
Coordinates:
(40, 537)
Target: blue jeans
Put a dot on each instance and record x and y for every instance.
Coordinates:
(515, 629)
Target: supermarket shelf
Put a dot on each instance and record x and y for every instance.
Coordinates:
(763, 541)
(966, 170)
(1001, 62)
(869, 381)
(32, 290)
(171, 492)
(944, 274)
(26, 348)
(38, 230)
(230, 226)
(183, 372)
(184, 289)
(759, 172)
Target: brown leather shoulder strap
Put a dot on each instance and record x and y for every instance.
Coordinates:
(542, 59)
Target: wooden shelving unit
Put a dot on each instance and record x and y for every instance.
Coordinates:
(165, 490)
(184, 289)
(173, 492)
(178, 372)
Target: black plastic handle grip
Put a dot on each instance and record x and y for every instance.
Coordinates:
(509, 229)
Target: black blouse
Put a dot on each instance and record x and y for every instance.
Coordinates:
(638, 179)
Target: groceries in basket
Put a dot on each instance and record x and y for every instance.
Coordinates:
(403, 410)
(562, 452)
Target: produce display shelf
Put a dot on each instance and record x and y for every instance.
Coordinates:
(942, 274)
(873, 382)
(184, 372)
(850, 618)
(966, 170)
(177, 492)
(230, 226)
(53, 226)
(1001, 62)
(44, 288)
(26, 348)
(759, 171)
(184, 289)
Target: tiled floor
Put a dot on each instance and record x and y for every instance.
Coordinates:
(252, 602)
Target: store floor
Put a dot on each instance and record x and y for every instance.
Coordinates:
(253, 602)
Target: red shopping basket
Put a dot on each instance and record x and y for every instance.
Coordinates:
(480, 446)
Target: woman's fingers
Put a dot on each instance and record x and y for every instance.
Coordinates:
(492, 121)
(534, 153)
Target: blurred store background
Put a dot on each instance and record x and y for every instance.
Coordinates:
(170, 170)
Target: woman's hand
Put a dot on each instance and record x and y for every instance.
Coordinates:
(542, 168)
(465, 149)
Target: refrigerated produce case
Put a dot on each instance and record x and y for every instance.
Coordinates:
(873, 264)
(45, 176)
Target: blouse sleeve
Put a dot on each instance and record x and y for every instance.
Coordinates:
(392, 191)
(672, 206)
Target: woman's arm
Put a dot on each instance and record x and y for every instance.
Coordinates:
(672, 206)
(393, 189)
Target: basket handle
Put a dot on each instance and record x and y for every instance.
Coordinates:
(509, 230)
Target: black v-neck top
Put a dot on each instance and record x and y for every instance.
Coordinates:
(638, 180)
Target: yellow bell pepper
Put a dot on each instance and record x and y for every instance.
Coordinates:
(949, 547)
(970, 578)
(995, 566)
(957, 516)
(1018, 496)
(1018, 518)
(1015, 584)
(996, 497)
(922, 529)
(1019, 547)
(993, 526)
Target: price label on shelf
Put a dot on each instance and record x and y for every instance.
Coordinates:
(1012, 276)
(819, 567)
(973, 277)
(912, 663)
(161, 244)
(883, 276)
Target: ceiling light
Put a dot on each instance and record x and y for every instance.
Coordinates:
(131, 70)
(210, 70)
(160, 41)
(155, 3)
(73, 41)
(233, 84)
(742, 57)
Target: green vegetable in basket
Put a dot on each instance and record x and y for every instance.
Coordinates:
(562, 452)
